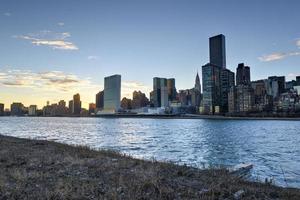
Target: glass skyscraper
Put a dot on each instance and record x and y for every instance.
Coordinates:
(217, 51)
(211, 89)
(112, 93)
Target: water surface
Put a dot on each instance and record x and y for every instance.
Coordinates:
(273, 146)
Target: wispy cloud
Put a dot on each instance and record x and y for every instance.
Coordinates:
(51, 39)
(60, 23)
(280, 55)
(93, 58)
(50, 80)
(292, 76)
(277, 56)
(7, 14)
(298, 42)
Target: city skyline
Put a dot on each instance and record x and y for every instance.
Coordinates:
(51, 58)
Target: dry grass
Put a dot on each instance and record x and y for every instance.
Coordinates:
(31, 169)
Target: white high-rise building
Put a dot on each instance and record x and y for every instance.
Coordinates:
(32, 110)
(112, 93)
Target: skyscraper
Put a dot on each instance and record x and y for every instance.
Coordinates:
(1, 109)
(216, 79)
(160, 92)
(243, 74)
(112, 93)
(100, 100)
(211, 89)
(298, 80)
(241, 98)
(71, 105)
(197, 83)
(226, 81)
(217, 51)
(171, 89)
(76, 104)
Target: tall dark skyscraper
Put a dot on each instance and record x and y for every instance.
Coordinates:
(160, 92)
(100, 100)
(243, 75)
(217, 51)
(76, 104)
(226, 81)
(297, 80)
(216, 79)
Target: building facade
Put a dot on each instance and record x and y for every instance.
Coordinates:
(16, 109)
(226, 81)
(171, 89)
(217, 51)
(100, 100)
(1, 109)
(32, 110)
(139, 100)
(160, 92)
(275, 86)
(211, 101)
(243, 74)
(76, 104)
(112, 93)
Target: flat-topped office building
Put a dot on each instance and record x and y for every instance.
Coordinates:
(217, 51)
(112, 93)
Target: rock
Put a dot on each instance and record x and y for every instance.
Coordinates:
(238, 194)
(203, 191)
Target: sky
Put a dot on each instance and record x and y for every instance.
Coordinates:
(50, 50)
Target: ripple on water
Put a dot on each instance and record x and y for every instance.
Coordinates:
(272, 146)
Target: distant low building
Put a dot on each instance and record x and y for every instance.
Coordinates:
(100, 100)
(126, 104)
(275, 86)
(92, 108)
(32, 110)
(288, 102)
(1, 109)
(139, 100)
(262, 101)
(17, 109)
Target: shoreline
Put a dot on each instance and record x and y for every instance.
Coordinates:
(36, 169)
(188, 116)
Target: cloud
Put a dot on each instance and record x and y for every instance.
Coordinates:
(298, 43)
(292, 76)
(48, 81)
(60, 24)
(93, 57)
(128, 87)
(277, 56)
(51, 39)
(7, 14)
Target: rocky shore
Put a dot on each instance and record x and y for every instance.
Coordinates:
(32, 169)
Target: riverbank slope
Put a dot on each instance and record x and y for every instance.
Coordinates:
(32, 169)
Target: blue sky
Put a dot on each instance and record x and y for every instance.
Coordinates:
(51, 49)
